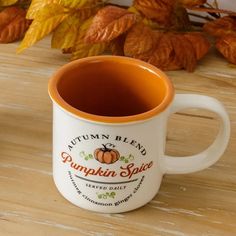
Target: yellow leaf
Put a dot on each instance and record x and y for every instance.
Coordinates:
(66, 33)
(86, 50)
(79, 3)
(48, 18)
(37, 5)
(4, 3)
(73, 3)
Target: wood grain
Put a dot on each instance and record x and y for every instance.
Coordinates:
(199, 204)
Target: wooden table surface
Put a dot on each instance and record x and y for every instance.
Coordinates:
(202, 203)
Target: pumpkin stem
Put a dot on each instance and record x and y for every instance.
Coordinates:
(106, 148)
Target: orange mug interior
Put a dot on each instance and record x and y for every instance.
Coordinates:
(111, 89)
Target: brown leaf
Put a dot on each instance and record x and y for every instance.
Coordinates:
(227, 47)
(163, 53)
(158, 10)
(174, 51)
(184, 52)
(222, 26)
(192, 3)
(13, 24)
(117, 45)
(199, 42)
(109, 23)
(140, 39)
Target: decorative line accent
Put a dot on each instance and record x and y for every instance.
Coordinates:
(98, 182)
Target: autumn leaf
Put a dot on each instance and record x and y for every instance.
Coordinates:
(75, 4)
(117, 45)
(85, 13)
(226, 45)
(82, 50)
(7, 16)
(156, 48)
(4, 3)
(47, 19)
(199, 42)
(12, 24)
(140, 39)
(165, 59)
(36, 6)
(72, 3)
(222, 26)
(66, 33)
(109, 23)
(141, 18)
(158, 10)
(167, 51)
(79, 37)
(184, 52)
(83, 29)
(163, 55)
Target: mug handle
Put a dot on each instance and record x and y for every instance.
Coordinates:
(184, 165)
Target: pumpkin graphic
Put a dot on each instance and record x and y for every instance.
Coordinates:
(106, 155)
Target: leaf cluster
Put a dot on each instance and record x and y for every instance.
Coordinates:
(157, 31)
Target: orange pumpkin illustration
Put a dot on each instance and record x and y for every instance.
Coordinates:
(106, 155)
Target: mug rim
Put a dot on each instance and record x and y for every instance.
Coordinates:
(56, 97)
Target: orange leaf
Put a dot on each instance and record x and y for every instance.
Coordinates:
(140, 39)
(163, 56)
(199, 42)
(109, 23)
(227, 47)
(159, 10)
(12, 24)
(184, 52)
(222, 26)
(172, 51)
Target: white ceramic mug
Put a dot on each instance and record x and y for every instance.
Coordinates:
(109, 132)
